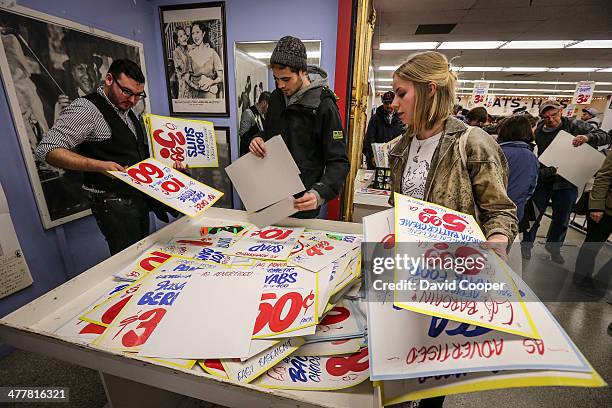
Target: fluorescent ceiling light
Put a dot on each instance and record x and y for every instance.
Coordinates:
(384, 87)
(470, 45)
(408, 45)
(593, 44)
(525, 69)
(384, 80)
(605, 70)
(537, 44)
(480, 69)
(387, 68)
(572, 69)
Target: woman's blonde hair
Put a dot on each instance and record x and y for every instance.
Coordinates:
(423, 69)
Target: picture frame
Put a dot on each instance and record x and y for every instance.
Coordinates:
(195, 59)
(41, 58)
(217, 177)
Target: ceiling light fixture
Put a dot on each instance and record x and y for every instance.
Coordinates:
(525, 45)
(592, 44)
(572, 69)
(525, 69)
(390, 46)
(470, 45)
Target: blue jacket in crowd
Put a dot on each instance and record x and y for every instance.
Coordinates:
(523, 173)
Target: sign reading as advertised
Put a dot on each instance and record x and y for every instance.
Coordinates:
(169, 186)
(583, 95)
(189, 142)
(479, 93)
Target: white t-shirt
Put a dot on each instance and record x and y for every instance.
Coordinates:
(418, 165)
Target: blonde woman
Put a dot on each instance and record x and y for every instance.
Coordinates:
(438, 160)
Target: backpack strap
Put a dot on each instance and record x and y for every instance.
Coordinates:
(463, 143)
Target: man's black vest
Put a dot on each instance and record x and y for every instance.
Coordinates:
(245, 139)
(122, 147)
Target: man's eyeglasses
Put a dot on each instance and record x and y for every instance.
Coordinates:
(127, 92)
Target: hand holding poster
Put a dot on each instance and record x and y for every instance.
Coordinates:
(191, 143)
(169, 186)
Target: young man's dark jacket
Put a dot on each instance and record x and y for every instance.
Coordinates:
(380, 131)
(309, 122)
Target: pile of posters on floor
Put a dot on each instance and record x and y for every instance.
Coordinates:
(426, 343)
(283, 303)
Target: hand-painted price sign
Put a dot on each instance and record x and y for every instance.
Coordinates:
(189, 142)
(479, 93)
(583, 95)
(418, 221)
(317, 373)
(321, 254)
(288, 301)
(142, 313)
(149, 261)
(249, 370)
(271, 243)
(105, 312)
(169, 186)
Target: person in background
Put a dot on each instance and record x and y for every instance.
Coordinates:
(207, 69)
(477, 116)
(383, 127)
(552, 187)
(303, 111)
(438, 160)
(589, 115)
(182, 62)
(515, 137)
(599, 228)
(457, 112)
(98, 133)
(252, 122)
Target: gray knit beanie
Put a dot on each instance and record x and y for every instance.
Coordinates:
(290, 51)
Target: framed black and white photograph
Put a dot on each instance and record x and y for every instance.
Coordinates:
(46, 62)
(217, 177)
(195, 58)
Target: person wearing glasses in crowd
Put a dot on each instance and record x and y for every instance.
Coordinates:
(553, 187)
(97, 133)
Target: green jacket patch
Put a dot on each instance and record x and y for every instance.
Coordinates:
(337, 134)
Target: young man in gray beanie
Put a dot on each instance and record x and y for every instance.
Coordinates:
(303, 110)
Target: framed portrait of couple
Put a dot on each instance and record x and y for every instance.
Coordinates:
(195, 59)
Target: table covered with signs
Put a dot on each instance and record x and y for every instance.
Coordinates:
(40, 327)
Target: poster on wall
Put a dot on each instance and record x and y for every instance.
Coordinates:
(47, 62)
(251, 80)
(195, 58)
(217, 177)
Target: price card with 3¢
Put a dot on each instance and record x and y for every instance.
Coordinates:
(189, 142)
(156, 294)
(317, 373)
(169, 186)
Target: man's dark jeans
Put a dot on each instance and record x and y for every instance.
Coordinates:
(123, 220)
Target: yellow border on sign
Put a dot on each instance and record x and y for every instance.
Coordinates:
(212, 372)
(188, 363)
(155, 198)
(149, 126)
(494, 384)
(268, 366)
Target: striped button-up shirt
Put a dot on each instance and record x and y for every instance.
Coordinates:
(79, 122)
